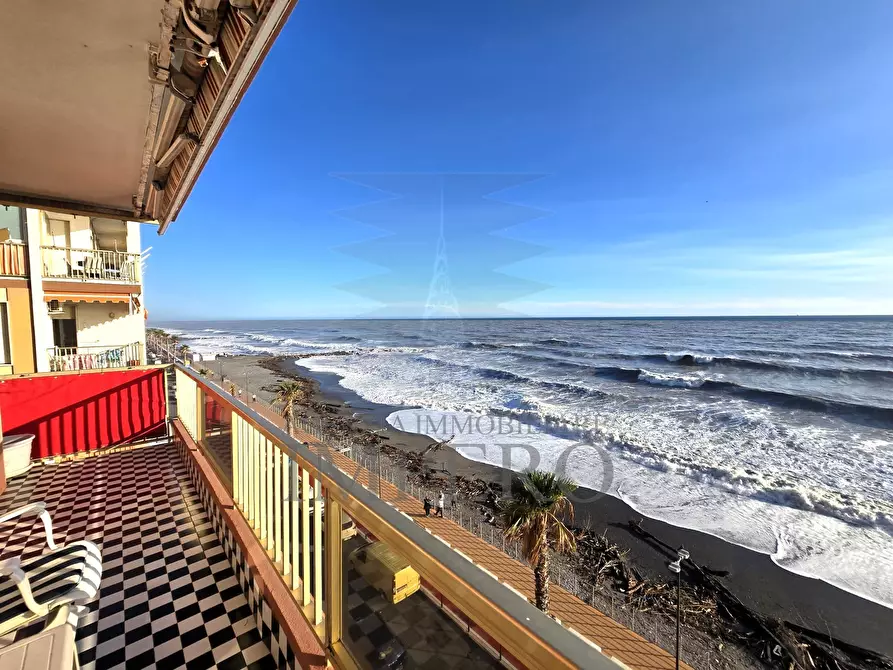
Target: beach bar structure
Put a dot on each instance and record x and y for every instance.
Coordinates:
(222, 537)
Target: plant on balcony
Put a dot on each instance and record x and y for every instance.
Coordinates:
(535, 515)
(287, 395)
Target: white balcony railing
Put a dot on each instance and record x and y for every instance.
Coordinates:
(95, 358)
(90, 264)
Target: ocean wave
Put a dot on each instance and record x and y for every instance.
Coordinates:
(789, 399)
(262, 337)
(492, 346)
(701, 381)
(557, 342)
(853, 509)
(687, 358)
(867, 356)
(496, 374)
(681, 381)
(487, 346)
(293, 342)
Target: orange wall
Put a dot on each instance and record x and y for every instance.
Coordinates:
(21, 333)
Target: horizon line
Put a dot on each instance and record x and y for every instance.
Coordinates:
(531, 318)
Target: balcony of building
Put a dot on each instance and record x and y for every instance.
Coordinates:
(97, 265)
(227, 542)
(96, 357)
(13, 250)
(89, 249)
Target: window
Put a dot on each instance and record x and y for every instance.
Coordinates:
(5, 357)
(11, 223)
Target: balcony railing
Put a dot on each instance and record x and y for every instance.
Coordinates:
(95, 358)
(292, 496)
(12, 259)
(90, 265)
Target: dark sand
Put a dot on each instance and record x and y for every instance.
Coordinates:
(752, 577)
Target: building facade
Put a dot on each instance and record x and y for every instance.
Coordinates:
(71, 293)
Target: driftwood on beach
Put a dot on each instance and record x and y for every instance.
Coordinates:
(776, 643)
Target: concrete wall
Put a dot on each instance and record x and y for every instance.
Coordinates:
(80, 234)
(108, 324)
(133, 237)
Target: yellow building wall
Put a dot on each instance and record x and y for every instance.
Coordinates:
(21, 333)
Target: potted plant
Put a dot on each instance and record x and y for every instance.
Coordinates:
(17, 454)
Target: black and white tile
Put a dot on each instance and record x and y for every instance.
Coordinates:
(170, 596)
(265, 620)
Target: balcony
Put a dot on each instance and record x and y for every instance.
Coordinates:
(90, 265)
(226, 541)
(95, 358)
(12, 259)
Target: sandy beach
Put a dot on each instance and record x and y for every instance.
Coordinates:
(752, 577)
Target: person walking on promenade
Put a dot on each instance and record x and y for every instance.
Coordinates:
(440, 505)
(427, 506)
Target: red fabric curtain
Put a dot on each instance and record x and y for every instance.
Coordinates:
(71, 413)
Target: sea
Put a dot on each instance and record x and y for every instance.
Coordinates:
(775, 434)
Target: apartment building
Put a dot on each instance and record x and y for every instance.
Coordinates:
(71, 295)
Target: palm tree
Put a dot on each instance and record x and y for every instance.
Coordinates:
(288, 394)
(535, 516)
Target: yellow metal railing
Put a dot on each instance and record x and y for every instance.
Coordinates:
(187, 403)
(276, 497)
(283, 489)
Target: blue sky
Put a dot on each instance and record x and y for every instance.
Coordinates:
(654, 158)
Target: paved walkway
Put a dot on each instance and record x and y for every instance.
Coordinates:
(613, 638)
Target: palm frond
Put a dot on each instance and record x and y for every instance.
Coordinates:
(535, 513)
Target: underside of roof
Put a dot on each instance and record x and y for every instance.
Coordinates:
(111, 108)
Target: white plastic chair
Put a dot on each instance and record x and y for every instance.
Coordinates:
(54, 585)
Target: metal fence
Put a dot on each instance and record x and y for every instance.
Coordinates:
(95, 358)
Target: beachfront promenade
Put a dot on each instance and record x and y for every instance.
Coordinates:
(611, 637)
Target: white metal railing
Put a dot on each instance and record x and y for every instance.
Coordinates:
(95, 357)
(90, 264)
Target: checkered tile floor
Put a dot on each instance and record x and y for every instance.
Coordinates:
(429, 638)
(168, 596)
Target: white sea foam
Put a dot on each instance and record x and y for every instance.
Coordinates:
(664, 379)
(812, 489)
(858, 559)
(734, 458)
(697, 358)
